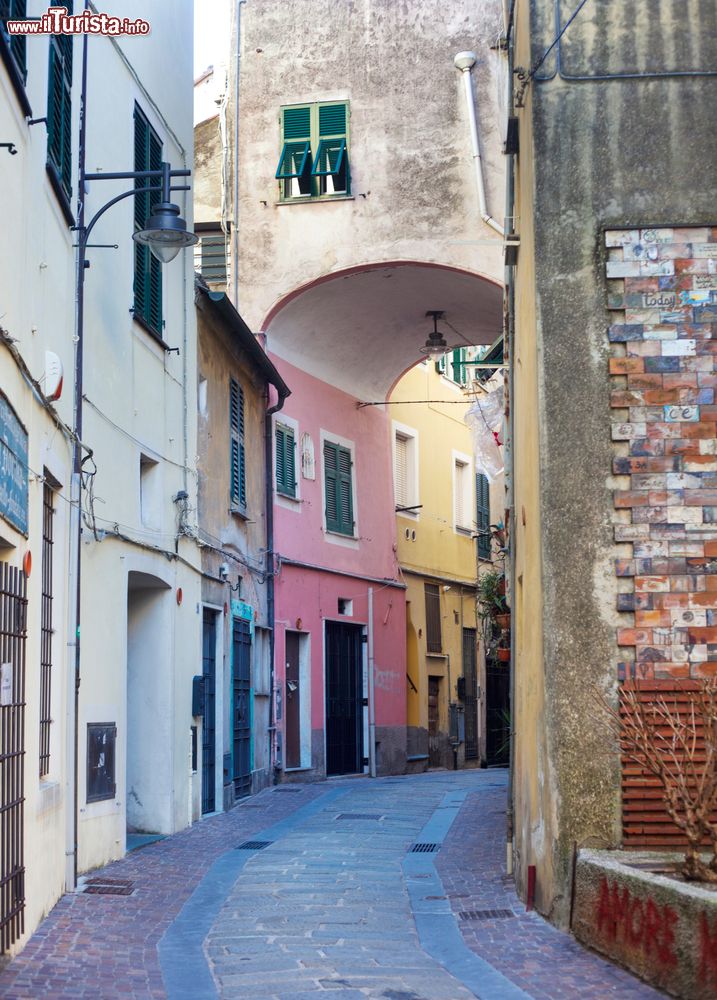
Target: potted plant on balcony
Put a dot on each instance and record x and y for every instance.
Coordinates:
(494, 614)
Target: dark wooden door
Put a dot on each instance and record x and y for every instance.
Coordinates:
(470, 703)
(344, 701)
(292, 701)
(434, 709)
(209, 748)
(497, 695)
(241, 706)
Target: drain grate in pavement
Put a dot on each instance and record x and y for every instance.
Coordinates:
(359, 816)
(486, 914)
(254, 845)
(424, 848)
(281, 788)
(107, 880)
(108, 889)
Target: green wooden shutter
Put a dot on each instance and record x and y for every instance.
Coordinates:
(458, 367)
(147, 269)
(295, 159)
(237, 459)
(332, 158)
(332, 121)
(59, 109)
(285, 461)
(338, 489)
(15, 10)
(483, 515)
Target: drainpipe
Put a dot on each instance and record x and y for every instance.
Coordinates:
(510, 459)
(371, 692)
(235, 207)
(270, 604)
(465, 61)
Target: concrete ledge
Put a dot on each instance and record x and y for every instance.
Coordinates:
(661, 929)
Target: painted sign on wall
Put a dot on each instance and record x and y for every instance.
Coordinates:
(13, 468)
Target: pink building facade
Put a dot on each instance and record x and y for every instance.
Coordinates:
(340, 611)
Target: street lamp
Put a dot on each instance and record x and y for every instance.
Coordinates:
(165, 231)
(436, 344)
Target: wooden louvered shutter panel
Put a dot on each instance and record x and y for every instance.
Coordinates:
(401, 472)
(332, 121)
(290, 462)
(237, 487)
(433, 617)
(460, 490)
(295, 134)
(16, 10)
(280, 460)
(346, 518)
(331, 486)
(141, 252)
(483, 515)
(155, 267)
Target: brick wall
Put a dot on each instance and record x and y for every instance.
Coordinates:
(662, 293)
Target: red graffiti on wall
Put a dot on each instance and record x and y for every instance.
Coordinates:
(708, 952)
(637, 923)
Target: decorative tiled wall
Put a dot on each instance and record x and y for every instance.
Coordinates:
(662, 293)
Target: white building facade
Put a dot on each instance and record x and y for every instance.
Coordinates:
(78, 773)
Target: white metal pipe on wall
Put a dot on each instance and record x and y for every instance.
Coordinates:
(465, 61)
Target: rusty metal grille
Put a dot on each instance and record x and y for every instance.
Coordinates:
(13, 628)
(433, 618)
(48, 511)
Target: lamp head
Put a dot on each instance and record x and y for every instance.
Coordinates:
(165, 232)
(436, 344)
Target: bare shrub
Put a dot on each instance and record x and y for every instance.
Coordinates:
(676, 741)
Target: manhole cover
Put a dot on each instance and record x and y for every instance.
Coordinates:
(254, 845)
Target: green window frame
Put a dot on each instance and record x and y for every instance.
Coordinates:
(147, 269)
(285, 461)
(483, 515)
(15, 10)
(314, 160)
(59, 111)
(453, 366)
(237, 453)
(338, 488)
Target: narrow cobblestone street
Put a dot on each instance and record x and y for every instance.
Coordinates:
(334, 902)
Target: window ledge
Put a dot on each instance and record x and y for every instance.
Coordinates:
(441, 656)
(341, 534)
(288, 496)
(242, 514)
(315, 201)
(148, 329)
(466, 532)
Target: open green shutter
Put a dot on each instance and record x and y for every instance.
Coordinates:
(59, 109)
(483, 515)
(15, 10)
(345, 492)
(237, 486)
(280, 460)
(331, 486)
(290, 447)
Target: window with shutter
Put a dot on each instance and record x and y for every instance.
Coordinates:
(285, 461)
(461, 495)
(400, 475)
(14, 45)
(338, 487)
(147, 269)
(483, 515)
(210, 255)
(433, 617)
(237, 458)
(314, 160)
(59, 112)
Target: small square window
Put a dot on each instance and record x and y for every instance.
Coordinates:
(101, 739)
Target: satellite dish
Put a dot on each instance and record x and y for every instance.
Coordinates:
(54, 373)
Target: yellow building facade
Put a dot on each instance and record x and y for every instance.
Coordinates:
(443, 512)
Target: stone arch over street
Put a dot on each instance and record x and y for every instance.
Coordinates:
(362, 327)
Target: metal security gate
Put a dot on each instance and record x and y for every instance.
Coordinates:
(13, 626)
(241, 706)
(344, 700)
(470, 700)
(209, 749)
(497, 695)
